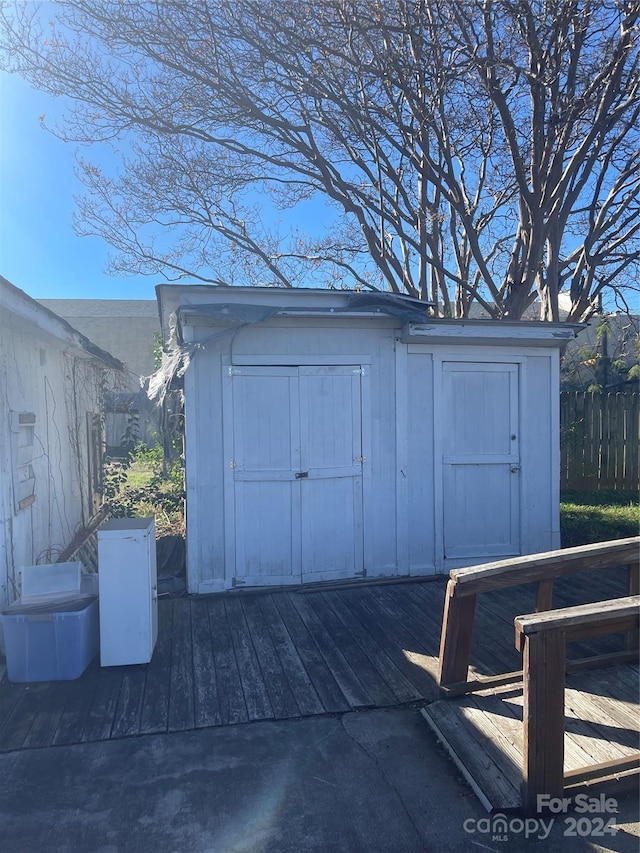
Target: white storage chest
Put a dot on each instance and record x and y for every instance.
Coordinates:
(128, 591)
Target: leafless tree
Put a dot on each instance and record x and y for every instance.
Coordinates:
(479, 152)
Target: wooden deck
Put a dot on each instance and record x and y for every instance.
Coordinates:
(244, 657)
(483, 732)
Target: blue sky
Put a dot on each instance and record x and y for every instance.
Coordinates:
(39, 250)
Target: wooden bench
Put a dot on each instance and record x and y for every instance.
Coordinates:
(542, 638)
(466, 584)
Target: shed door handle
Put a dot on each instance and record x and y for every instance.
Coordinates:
(300, 475)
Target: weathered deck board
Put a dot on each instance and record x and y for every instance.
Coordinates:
(394, 638)
(576, 749)
(47, 717)
(16, 727)
(9, 697)
(400, 686)
(327, 687)
(206, 698)
(256, 695)
(422, 612)
(154, 713)
(78, 699)
(623, 714)
(604, 723)
(346, 679)
(232, 705)
(497, 715)
(281, 697)
(127, 715)
(483, 731)
(99, 721)
(181, 698)
(305, 693)
(376, 687)
(399, 609)
(230, 659)
(486, 775)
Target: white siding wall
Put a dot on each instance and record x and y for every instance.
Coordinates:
(402, 432)
(541, 454)
(420, 471)
(59, 385)
(205, 515)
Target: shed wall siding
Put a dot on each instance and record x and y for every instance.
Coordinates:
(420, 471)
(403, 431)
(205, 479)
(540, 455)
(59, 385)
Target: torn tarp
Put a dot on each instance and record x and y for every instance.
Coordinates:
(237, 314)
(228, 317)
(405, 308)
(228, 314)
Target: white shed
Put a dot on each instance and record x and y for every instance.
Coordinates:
(333, 435)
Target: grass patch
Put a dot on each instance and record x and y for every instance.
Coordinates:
(141, 487)
(587, 517)
(140, 475)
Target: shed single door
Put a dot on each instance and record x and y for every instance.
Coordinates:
(481, 460)
(297, 474)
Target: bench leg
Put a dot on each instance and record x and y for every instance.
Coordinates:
(455, 640)
(543, 716)
(633, 637)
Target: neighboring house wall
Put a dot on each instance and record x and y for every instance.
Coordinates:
(129, 329)
(52, 380)
(123, 327)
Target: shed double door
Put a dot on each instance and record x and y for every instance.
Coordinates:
(296, 474)
(481, 460)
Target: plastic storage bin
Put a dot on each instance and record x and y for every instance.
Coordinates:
(52, 632)
(51, 641)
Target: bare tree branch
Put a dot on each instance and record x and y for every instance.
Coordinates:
(481, 154)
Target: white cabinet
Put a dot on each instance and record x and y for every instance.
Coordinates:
(128, 591)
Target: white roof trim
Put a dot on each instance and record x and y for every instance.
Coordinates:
(498, 332)
(21, 305)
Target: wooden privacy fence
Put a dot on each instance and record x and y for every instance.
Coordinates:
(599, 440)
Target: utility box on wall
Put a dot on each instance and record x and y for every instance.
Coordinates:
(128, 591)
